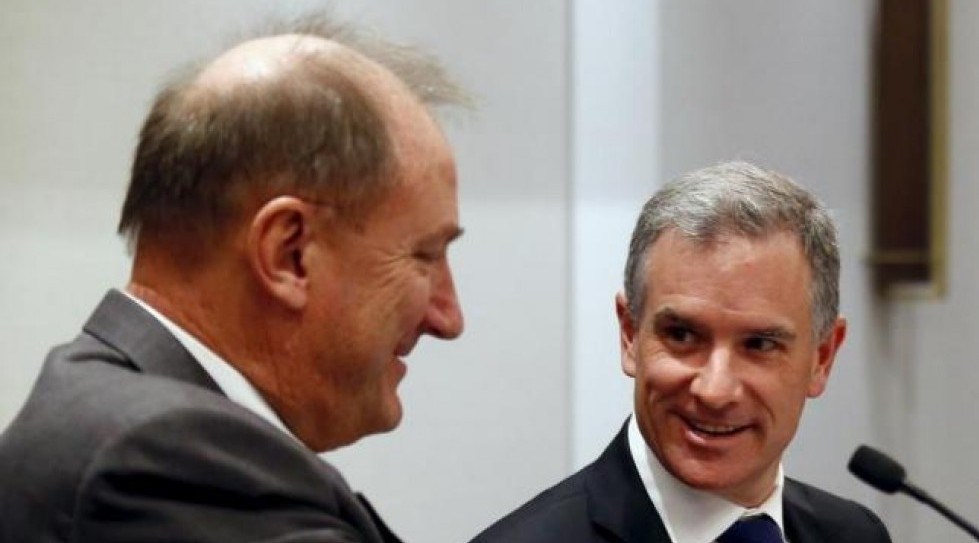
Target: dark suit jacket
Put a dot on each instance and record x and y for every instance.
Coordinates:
(126, 438)
(606, 502)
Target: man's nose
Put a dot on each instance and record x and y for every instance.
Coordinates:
(716, 384)
(444, 315)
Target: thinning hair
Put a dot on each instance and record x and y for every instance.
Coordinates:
(741, 199)
(311, 130)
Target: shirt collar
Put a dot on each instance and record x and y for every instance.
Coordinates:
(691, 515)
(231, 382)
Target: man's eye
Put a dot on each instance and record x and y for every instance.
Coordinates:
(760, 344)
(679, 334)
(428, 255)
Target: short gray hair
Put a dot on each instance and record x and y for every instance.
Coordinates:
(744, 200)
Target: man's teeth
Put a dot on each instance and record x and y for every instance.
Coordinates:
(717, 429)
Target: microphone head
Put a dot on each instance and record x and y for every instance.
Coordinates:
(877, 469)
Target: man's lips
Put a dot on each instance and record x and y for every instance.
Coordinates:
(400, 367)
(405, 347)
(713, 428)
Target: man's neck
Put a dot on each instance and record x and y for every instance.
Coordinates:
(232, 383)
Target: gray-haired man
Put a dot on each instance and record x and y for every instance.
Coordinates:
(729, 322)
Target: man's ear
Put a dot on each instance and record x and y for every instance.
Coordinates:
(825, 357)
(627, 335)
(277, 244)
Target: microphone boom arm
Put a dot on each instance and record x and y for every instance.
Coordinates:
(883, 473)
(926, 499)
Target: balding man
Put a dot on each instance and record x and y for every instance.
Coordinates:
(290, 208)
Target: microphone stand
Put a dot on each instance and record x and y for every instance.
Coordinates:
(926, 499)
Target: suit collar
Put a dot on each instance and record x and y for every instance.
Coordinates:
(128, 328)
(617, 500)
(619, 504)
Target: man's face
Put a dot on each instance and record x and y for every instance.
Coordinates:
(724, 358)
(376, 289)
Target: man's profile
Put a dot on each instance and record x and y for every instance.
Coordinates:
(290, 207)
(729, 322)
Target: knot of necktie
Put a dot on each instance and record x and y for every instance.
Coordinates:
(759, 529)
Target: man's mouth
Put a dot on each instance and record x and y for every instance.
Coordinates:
(405, 348)
(715, 429)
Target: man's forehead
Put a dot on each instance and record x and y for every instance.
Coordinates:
(726, 252)
(723, 237)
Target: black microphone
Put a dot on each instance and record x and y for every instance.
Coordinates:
(883, 473)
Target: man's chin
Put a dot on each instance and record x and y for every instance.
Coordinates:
(394, 416)
(724, 480)
(368, 423)
(389, 418)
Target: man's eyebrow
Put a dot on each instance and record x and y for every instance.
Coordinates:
(774, 332)
(668, 315)
(445, 235)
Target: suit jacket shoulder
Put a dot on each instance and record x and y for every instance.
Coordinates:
(559, 514)
(207, 473)
(125, 438)
(814, 515)
(604, 502)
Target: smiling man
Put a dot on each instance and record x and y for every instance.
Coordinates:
(729, 322)
(290, 206)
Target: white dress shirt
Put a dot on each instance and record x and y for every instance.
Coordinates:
(691, 515)
(232, 383)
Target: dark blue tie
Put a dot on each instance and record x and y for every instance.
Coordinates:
(759, 529)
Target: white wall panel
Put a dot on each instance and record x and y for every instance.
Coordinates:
(615, 159)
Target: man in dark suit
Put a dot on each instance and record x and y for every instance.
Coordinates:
(290, 208)
(729, 322)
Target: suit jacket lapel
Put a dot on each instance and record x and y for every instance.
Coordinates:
(617, 500)
(125, 326)
(386, 534)
(801, 520)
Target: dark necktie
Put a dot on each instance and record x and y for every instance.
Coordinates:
(759, 529)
